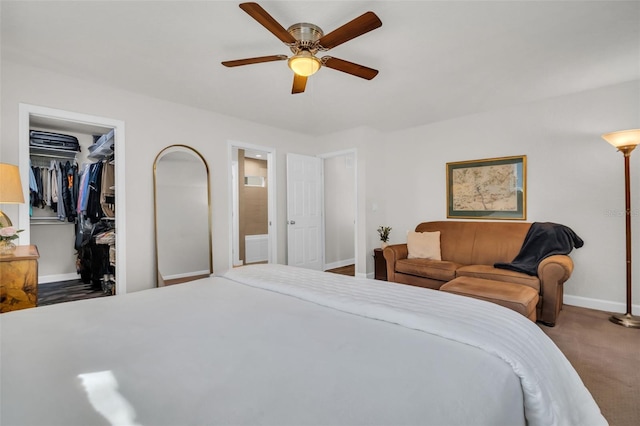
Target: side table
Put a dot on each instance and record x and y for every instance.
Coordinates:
(380, 265)
(19, 279)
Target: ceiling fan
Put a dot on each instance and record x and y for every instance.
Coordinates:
(305, 40)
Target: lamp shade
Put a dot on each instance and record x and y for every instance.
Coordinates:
(10, 186)
(623, 138)
(304, 63)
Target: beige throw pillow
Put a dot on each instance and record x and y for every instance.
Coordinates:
(424, 245)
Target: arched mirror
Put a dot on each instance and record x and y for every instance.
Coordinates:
(182, 215)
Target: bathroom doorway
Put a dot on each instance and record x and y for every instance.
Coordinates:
(253, 224)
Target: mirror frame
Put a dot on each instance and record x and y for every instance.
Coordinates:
(169, 149)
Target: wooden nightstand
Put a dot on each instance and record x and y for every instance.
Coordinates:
(19, 279)
(380, 265)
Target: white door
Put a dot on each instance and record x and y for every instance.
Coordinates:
(304, 211)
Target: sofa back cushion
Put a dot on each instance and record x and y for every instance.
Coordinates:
(423, 245)
(478, 243)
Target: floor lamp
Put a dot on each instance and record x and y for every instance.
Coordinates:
(626, 141)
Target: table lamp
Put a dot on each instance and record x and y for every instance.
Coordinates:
(10, 190)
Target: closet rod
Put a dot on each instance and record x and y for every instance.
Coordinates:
(60, 156)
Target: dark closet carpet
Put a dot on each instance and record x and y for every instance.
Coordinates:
(67, 291)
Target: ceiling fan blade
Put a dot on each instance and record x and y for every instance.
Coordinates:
(299, 84)
(349, 67)
(361, 25)
(249, 61)
(259, 14)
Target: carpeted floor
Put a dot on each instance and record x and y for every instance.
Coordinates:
(67, 291)
(607, 358)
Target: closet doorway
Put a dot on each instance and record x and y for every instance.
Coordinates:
(340, 212)
(322, 211)
(253, 224)
(57, 237)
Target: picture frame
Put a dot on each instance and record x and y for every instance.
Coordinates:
(491, 188)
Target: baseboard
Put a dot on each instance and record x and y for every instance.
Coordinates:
(185, 275)
(598, 304)
(339, 264)
(370, 275)
(58, 277)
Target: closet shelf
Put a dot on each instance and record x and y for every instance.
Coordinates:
(52, 153)
(103, 147)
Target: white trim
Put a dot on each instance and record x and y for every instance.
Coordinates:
(58, 277)
(26, 111)
(598, 304)
(187, 275)
(370, 275)
(235, 238)
(339, 264)
(271, 200)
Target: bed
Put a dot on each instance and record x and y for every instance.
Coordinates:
(279, 345)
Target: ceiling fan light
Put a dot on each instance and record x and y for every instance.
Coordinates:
(304, 63)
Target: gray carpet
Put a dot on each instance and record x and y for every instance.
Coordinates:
(607, 358)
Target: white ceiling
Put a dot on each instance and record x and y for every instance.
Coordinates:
(437, 59)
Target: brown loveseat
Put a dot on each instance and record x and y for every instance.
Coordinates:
(470, 249)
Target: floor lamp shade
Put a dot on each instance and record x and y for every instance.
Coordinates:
(10, 189)
(626, 141)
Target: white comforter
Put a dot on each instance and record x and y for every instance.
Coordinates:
(553, 392)
(216, 352)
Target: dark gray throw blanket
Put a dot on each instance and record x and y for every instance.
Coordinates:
(544, 239)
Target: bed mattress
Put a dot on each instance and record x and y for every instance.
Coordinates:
(230, 350)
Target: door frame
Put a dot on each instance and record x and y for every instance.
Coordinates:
(272, 211)
(340, 153)
(26, 111)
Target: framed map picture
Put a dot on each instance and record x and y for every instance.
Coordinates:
(493, 188)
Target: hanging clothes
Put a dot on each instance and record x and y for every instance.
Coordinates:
(59, 177)
(69, 176)
(94, 210)
(54, 186)
(83, 190)
(108, 193)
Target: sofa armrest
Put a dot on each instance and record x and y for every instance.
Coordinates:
(553, 271)
(392, 254)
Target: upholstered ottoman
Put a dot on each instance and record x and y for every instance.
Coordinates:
(518, 297)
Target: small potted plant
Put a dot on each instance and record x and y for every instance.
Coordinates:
(384, 235)
(7, 235)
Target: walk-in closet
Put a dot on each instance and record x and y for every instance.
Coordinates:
(72, 208)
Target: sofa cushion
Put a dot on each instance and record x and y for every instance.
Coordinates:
(435, 269)
(519, 298)
(490, 273)
(424, 245)
(480, 242)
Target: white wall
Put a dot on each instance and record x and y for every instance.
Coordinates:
(573, 177)
(151, 125)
